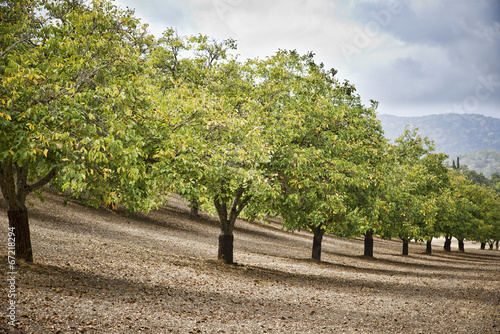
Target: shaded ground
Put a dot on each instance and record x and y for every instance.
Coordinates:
(98, 271)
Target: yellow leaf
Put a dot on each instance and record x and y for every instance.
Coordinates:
(45, 152)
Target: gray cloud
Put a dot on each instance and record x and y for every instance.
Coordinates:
(447, 50)
(419, 57)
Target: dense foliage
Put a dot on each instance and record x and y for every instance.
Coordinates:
(71, 98)
(94, 106)
(417, 177)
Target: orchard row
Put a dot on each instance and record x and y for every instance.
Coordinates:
(100, 109)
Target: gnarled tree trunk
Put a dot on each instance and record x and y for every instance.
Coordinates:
(194, 206)
(18, 221)
(15, 189)
(318, 232)
(461, 245)
(227, 221)
(447, 244)
(428, 247)
(483, 245)
(225, 252)
(369, 243)
(405, 246)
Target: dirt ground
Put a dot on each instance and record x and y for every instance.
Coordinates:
(99, 271)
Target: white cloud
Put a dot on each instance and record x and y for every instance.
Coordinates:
(426, 53)
(261, 27)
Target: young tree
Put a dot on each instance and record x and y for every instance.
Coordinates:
(466, 215)
(211, 146)
(326, 147)
(467, 211)
(69, 95)
(485, 212)
(416, 179)
(226, 158)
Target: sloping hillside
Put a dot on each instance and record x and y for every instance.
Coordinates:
(458, 135)
(98, 271)
(486, 162)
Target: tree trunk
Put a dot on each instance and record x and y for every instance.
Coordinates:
(461, 246)
(226, 248)
(483, 245)
(15, 189)
(405, 246)
(428, 247)
(491, 245)
(227, 218)
(194, 207)
(226, 237)
(447, 244)
(317, 240)
(18, 221)
(369, 243)
(496, 245)
(112, 206)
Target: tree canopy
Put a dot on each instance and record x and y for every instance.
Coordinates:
(96, 107)
(71, 94)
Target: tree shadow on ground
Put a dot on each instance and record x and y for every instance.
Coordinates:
(56, 282)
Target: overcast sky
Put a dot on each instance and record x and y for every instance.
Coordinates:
(416, 57)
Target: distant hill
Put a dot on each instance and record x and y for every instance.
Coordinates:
(462, 135)
(486, 162)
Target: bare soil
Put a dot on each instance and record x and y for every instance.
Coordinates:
(102, 271)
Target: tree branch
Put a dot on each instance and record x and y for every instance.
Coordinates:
(13, 46)
(43, 181)
(244, 203)
(234, 205)
(221, 210)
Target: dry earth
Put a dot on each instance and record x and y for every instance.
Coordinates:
(98, 271)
